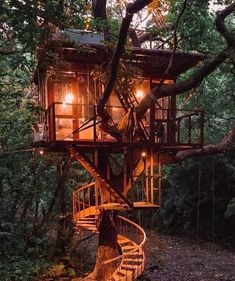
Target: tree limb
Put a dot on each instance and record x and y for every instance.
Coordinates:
(131, 9)
(226, 143)
(99, 9)
(198, 77)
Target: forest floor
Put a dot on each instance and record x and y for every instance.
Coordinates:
(179, 259)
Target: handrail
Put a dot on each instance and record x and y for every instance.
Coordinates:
(78, 189)
(133, 250)
(89, 130)
(125, 230)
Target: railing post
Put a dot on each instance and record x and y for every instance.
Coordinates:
(178, 131)
(94, 123)
(159, 179)
(96, 184)
(151, 175)
(202, 128)
(73, 205)
(53, 121)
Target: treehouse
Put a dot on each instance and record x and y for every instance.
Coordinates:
(126, 167)
(69, 89)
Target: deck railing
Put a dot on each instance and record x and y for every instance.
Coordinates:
(80, 122)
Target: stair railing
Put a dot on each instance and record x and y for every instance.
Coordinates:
(84, 198)
(130, 261)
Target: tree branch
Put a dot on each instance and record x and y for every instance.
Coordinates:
(221, 15)
(192, 82)
(227, 142)
(131, 9)
(99, 9)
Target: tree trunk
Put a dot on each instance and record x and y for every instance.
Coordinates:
(107, 248)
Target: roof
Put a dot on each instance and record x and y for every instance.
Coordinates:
(89, 47)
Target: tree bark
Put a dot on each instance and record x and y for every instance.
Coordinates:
(99, 9)
(192, 82)
(227, 142)
(131, 9)
(107, 248)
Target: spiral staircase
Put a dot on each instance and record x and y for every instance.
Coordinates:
(131, 237)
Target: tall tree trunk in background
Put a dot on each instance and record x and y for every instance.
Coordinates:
(99, 9)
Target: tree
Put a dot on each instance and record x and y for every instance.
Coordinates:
(164, 90)
(27, 24)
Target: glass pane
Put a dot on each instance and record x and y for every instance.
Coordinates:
(64, 109)
(64, 128)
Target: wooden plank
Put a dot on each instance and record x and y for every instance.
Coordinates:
(151, 176)
(98, 175)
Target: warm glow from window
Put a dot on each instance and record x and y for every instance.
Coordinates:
(139, 94)
(69, 98)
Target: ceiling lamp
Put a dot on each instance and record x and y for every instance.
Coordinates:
(68, 98)
(139, 94)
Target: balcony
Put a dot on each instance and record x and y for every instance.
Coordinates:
(80, 123)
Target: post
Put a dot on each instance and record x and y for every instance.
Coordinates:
(178, 130)
(151, 175)
(202, 129)
(159, 179)
(147, 183)
(53, 122)
(96, 184)
(94, 123)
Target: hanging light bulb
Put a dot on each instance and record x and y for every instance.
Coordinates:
(68, 98)
(144, 154)
(139, 94)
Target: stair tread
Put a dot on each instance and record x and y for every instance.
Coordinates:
(128, 247)
(85, 222)
(130, 267)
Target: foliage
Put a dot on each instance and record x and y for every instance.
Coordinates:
(30, 206)
(180, 199)
(230, 210)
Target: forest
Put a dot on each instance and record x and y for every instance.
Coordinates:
(38, 237)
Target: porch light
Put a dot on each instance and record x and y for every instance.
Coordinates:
(68, 98)
(139, 94)
(144, 154)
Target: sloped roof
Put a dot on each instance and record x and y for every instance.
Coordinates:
(78, 47)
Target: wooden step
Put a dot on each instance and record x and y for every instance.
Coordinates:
(89, 219)
(88, 227)
(130, 261)
(129, 267)
(86, 222)
(121, 275)
(127, 248)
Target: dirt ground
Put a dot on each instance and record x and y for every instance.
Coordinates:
(178, 259)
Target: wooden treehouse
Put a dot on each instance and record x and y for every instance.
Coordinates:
(126, 171)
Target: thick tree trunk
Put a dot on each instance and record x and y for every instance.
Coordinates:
(107, 248)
